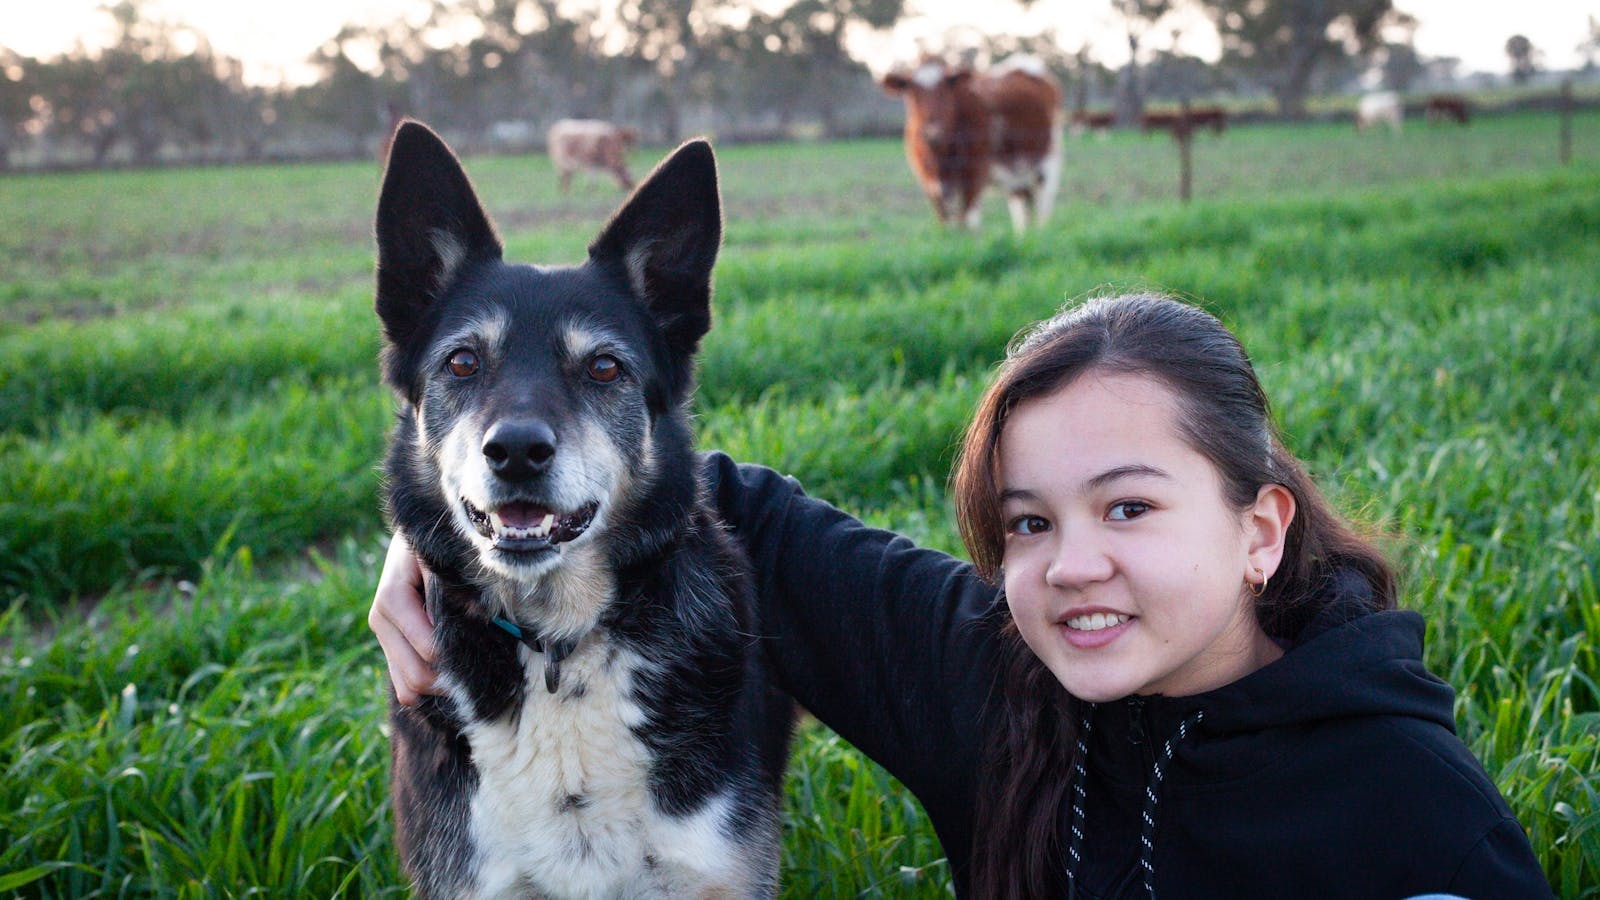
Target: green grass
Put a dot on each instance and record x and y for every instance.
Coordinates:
(191, 699)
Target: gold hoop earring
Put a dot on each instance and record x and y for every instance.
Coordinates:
(1257, 590)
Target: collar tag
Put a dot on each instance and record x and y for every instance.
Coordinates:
(553, 656)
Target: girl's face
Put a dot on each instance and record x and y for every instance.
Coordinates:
(1125, 569)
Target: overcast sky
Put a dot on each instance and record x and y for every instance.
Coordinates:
(274, 38)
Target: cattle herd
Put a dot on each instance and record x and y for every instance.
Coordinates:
(970, 129)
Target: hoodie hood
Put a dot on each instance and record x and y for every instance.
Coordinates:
(1347, 662)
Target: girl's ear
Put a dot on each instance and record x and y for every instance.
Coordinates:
(1267, 522)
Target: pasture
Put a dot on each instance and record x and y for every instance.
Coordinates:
(190, 422)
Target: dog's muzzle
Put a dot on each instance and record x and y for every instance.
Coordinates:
(523, 527)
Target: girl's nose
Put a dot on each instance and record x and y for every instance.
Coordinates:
(1078, 560)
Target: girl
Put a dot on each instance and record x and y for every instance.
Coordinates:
(1196, 685)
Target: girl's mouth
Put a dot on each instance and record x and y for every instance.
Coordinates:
(1088, 631)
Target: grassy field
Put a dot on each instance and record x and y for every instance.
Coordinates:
(190, 420)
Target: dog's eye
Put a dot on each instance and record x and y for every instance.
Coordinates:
(604, 368)
(463, 363)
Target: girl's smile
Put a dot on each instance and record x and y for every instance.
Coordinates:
(1088, 628)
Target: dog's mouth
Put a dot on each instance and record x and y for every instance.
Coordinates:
(523, 527)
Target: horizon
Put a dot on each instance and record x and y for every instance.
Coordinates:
(276, 53)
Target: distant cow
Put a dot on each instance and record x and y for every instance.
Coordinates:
(1379, 107)
(1448, 106)
(591, 145)
(1212, 117)
(1097, 121)
(965, 130)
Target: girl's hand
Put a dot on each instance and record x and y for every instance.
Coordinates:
(402, 625)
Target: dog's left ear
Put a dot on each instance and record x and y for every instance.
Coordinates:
(665, 238)
(430, 226)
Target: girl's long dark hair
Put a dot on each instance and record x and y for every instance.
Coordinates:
(1224, 415)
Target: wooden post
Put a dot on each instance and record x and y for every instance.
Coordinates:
(1183, 133)
(1566, 121)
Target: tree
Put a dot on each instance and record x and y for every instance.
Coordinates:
(1589, 48)
(1177, 76)
(155, 84)
(1523, 56)
(16, 106)
(671, 36)
(1139, 18)
(345, 98)
(1281, 43)
(1400, 63)
(818, 32)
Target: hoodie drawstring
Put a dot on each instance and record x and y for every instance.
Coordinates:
(1075, 793)
(1147, 839)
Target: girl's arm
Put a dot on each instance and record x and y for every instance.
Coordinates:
(889, 644)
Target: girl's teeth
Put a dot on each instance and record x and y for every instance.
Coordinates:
(1096, 621)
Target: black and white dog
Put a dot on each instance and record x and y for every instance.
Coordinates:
(606, 729)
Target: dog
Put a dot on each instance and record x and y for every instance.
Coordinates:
(606, 727)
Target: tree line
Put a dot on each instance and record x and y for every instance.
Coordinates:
(158, 91)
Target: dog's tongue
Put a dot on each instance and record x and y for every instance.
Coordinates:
(521, 515)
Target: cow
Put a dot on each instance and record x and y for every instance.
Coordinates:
(1380, 106)
(592, 145)
(1098, 121)
(1448, 106)
(1212, 117)
(966, 129)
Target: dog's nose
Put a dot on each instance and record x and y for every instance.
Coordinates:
(519, 450)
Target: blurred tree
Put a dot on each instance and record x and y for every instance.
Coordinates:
(1281, 43)
(1139, 18)
(345, 98)
(1176, 76)
(16, 101)
(528, 60)
(812, 34)
(1402, 67)
(1399, 62)
(1523, 56)
(1088, 81)
(155, 84)
(671, 35)
(1589, 48)
(1443, 70)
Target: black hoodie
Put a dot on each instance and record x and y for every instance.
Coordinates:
(1332, 772)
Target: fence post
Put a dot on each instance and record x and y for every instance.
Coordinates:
(1183, 133)
(1566, 121)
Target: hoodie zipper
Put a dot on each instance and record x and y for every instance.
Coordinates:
(1139, 732)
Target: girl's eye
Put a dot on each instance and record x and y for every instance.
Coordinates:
(1028, 525)
(1127, 509)
(604, 369)
(463, 363)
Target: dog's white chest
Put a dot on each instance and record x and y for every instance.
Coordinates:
(563, 803)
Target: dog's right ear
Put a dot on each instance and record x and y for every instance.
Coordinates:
(430, 226)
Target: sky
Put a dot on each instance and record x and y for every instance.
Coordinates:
(273, 39)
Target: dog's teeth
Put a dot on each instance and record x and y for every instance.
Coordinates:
(546, 525)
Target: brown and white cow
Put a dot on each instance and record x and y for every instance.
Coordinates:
(965, 130)
(590, 145)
